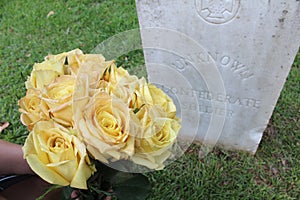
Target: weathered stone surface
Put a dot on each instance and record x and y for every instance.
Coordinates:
(223, 61)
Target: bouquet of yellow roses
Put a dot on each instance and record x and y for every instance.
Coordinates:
(91, 123)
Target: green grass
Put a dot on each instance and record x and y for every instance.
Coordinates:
(27, 35)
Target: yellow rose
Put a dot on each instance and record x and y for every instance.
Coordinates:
(151, 95)
(67, 63)
(114, 74)
(33, 108)
(120, 83)
(73, 60)
(100, 75)
(58, 97)
(70, 60)
(91, 73)
(153, 144)
(57, 156)
(44, 73)
(106, 126)
(93, 60)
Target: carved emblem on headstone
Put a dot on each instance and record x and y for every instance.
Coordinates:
(217, 11)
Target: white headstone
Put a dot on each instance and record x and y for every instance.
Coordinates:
(223, 61)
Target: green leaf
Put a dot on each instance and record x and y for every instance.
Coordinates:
(98, 191)
(130, 186)
(126, 185)
(107, 172)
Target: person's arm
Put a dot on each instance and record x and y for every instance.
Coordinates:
(12, 162)
(11, 159)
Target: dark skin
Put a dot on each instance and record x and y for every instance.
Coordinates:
(12, 162)
(29, 189)
(12, 154)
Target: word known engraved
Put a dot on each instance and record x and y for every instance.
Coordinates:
(225, 61)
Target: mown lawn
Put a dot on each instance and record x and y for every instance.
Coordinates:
(27, 35)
